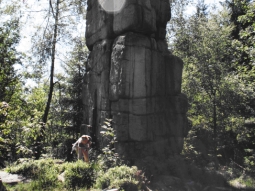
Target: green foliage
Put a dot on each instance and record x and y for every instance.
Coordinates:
(109, 158)
(207, 45)
(20, 187)
(101, 172)
(9, 56)
(245, 181)
(23, 124)
(244, 40)
(67, 105)
(79, 175)
(3, 113)
(249, 182)
(9, 84)
(23, 134)
(218, 88)
(43, 172)
(121, 177)
(20, 123)
(30, 168)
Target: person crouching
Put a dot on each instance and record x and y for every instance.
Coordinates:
(82, 146)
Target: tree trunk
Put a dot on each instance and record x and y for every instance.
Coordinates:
(38, 144)
(47, 109)
(215, 130)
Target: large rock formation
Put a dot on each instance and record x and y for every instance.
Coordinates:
(133, 78)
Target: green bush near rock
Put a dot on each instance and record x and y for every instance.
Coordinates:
(79, 175)
(122, 177)
(42, 172)
(31, 168)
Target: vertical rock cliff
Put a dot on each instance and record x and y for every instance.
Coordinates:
(133, 78)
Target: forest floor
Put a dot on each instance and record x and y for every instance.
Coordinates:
(193, 180)
(161, 183)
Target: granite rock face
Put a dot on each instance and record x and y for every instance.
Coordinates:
(133, 78)
(142, 16)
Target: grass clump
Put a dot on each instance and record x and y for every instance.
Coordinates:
(43, 173)
(79, 175)
(27, 168)
(105, 171)
(121, 177)
(31, 168)
(249, 182)
(244, 180)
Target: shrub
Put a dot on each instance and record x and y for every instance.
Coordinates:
(44, 173)
(248, 181)
(31, 168)
(121, 177)
(27, 168)
(108, 157)
(47, 176)
(79, 174)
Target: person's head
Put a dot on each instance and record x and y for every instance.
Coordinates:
(85, 138)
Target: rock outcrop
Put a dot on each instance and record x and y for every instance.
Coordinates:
(133, 78)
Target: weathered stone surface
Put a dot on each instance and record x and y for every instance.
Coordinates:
(128, 66)
(136, 16)
(163, 15)
(163, 12)
(99, 24)
(141, 16)
(151, 105)
(97, 77)
(145, 86)
(174, 67)
(139, 69)
(121, 124)
(133, 78)
(96, 84)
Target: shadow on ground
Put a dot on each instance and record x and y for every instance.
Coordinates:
(2, 187)
(176, 174)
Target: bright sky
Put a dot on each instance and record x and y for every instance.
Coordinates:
(213, 1)
(35, 18)
(192, 9)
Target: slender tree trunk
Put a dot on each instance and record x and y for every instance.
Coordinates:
(47, 109)
(214, 119)
(215, 130)
(38, 144)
